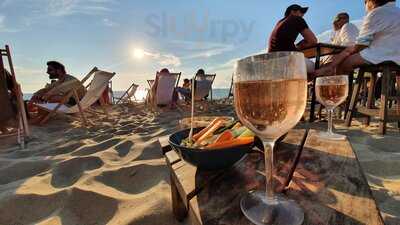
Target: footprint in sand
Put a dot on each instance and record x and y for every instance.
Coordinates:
(74, 206)
(68, 172)
(151, 151)
(135, 179)
(124, 148)
(61, 150)
(96, 148)
(30, 208)
(87, 207)
(22, 170)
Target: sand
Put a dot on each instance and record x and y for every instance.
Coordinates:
(114, 172)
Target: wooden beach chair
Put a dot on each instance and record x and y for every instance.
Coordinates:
(204, 86)
(94, 92)
(166, 87)
(230, 94)
(19, 113)
(128, 95)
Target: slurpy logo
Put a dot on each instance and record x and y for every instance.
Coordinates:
(198, 25)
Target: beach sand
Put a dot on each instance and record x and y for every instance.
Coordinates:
(114, 172)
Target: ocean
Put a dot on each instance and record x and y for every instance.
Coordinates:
(218, 93)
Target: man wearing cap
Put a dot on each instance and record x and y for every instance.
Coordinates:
(287, 30)
(345, 33)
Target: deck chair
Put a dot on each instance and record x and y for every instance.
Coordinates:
(230, 94)
(9, 112)
(204, 86)
(128, 95)
(150, 83)
(166, 87)
(94, 92)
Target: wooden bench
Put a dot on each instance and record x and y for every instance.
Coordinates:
(328, 183)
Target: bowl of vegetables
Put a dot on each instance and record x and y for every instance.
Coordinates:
(217, 146)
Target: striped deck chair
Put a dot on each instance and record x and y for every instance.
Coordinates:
(94, 92)
(128, 95)
(10, 112)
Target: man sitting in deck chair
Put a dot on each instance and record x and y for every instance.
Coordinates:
(54, 92)
(94, 93)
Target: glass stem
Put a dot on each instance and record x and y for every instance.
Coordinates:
(269, 167)
(330, 121)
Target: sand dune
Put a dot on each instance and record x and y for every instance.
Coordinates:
(114, 172)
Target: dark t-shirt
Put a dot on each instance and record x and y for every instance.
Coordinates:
(285, 34)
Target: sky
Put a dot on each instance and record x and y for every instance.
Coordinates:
(137, 38)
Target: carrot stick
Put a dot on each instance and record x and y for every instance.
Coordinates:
(210, 131)
(231, 143)
(225, 136)
(203, 131)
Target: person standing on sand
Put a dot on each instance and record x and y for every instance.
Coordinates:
(55, 91)
(287, 30)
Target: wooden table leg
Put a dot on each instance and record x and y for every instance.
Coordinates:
(384, 100)
(313, 95)
(178, 207)
(371, 96)
(354, 98)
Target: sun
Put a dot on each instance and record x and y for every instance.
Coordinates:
(138, 53)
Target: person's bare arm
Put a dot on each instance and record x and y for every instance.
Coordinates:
(309, 39)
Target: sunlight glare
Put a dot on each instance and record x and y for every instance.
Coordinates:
(138, 53)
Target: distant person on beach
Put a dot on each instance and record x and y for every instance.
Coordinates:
(287, 30)
(55, 91)
(377, 42)
(345, 32)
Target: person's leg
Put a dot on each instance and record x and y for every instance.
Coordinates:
(346, 67)
(351, 63)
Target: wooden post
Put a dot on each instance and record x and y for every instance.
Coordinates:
(383, 111)
(178, 207)
(18, 93)
(354, 98)
(371, 96)
(81, 112)
(313, 93)
(103, 107)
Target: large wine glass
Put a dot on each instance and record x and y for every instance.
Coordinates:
(270, 94)
(332, 91)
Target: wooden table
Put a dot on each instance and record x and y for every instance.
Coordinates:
(317, 51)
(328, 183)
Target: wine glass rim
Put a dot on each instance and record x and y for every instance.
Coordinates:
(272, 54)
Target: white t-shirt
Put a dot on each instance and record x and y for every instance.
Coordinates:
(380, 31)
(346, 36)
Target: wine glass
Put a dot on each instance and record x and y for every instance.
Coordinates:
(270, 94)
(331, 91)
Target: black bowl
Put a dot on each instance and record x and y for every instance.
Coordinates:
(207, 159)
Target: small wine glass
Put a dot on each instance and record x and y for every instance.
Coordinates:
(270, 94)
(332, 91)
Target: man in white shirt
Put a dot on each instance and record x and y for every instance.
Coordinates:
(346, 33)
(378, 41)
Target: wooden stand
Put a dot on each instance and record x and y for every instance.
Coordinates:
(327, 183)
(384, 113)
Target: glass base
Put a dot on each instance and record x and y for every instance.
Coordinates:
(331, 136)
(278, 210)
